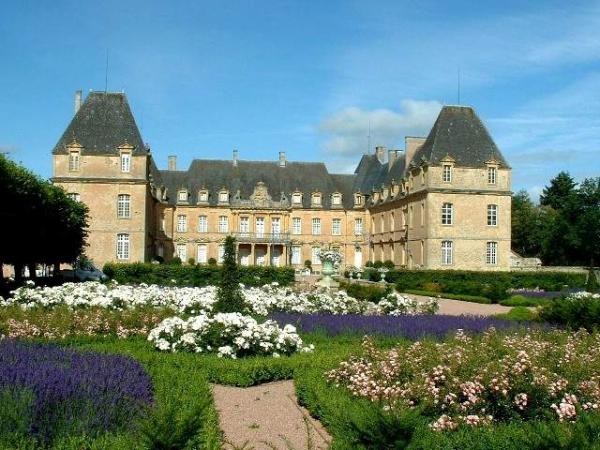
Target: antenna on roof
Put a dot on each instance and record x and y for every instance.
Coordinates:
(106, 74)
(369, 139)
(458, 87)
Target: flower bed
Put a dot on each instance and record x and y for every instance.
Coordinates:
(478, 381)
(47, 391)
(228, 334)
(410, 327)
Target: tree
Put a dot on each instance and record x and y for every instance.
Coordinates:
(560, 192)
(588, 220)
(229, 294)
(526, 226)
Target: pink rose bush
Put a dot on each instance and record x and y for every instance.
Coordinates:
(482, 380)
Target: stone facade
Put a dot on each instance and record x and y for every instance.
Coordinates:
(282, 212)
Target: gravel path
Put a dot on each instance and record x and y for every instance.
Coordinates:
(459, 307)
(267, 417)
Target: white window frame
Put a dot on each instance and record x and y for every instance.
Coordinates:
(224, 197)
(358, 226)
(223, 224)
(181, 223)
(296, 225)
(275, 226)
(316, 200)
(297, 198)
(296, 254)
(203, 196)
(447, 173)
(124, 206)
(491, 253)
(202, 224)
(336, 227)
(358, 200)
(123, 246)
(314, 256)
(336, 199)
(492, 175)
(220, 253)
(202, 257)
(244, 225)
(447, 214)
(74, 196)
(125, 162)
(447, 253)
(260, 230)
(492, 215)
(182, 196)
(74, 160)
(181, 250)
(316, 226)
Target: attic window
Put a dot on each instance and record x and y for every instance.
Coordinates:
(297, 198)
(336, 199)
(182, 196)
(203, 196)
(316, 199)
(74, 157)
(358, 200)
(447, 173)
(223, 196)
(491, 175)
(125, 162)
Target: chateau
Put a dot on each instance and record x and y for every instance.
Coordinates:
(444, 202)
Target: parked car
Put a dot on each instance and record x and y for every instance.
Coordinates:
(87, 273)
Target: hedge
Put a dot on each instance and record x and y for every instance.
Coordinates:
(198, 275)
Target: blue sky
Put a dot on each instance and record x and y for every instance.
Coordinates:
(307, 77)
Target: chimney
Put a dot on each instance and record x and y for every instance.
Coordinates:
(172, 162)
(235, 158)
(282, 161)
(392, 154)
(77, 100)
(411, 145)
(380, 153)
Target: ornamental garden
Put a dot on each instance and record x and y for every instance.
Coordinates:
(129, 363)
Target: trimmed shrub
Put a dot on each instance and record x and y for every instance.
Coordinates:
(519, 300)
(363, 292)
(576, 311)
(229, 294)
(463, 297)
(199, 275)
(591, 284)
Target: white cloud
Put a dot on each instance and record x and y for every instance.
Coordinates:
(346, 132)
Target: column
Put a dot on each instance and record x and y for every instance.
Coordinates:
(252, 260)
(268, 255)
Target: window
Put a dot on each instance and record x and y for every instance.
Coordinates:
(260, 226)
(122, 246)
(297, 198)
(161, 222)
(223, 197)
(202, 224)
(491, 175)
(221, 253)
(296, 225)
(447, 211)
(492, 215)
(276, 226)
(314, 255)
(336, 227)
(202, 254)
(181, 223)
(358, 226)
(447, 173)
(160, 250)
(491, 254)
(446, 252)
(123, 206)
(223, 224)
(336, 199)
(244, 225)
(316, 199)
(316, 226)
(73, 161)
(203, 196)
(182, 196)
(358, 200)
(182, 252)
(74, 196)
(296, 256)
(125, 162)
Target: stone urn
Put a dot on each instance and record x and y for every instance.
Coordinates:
(330, 260)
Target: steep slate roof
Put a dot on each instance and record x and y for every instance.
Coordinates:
(214, 175)
(459, 133)
(102, 124)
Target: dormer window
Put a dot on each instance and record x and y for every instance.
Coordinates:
(74, 158)
(182, 195)
(336, 199)
(358, 200)
(316, 199)
(447, 173)
(492, 173)
(203, 196)
(297, 198)
(224, 196)
(125, 162)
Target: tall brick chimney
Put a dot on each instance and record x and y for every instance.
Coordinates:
(78, 95)
(172, 162)
(411, 145)
(392, 156)
(380, 153)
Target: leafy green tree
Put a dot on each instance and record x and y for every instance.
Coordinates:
(560, 192)
(229, 294)
(588, 221)
(526, 225)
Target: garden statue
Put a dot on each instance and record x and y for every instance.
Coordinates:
(383, 271)
(330, 261)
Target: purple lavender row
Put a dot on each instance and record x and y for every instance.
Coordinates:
(73, 392)
(411, 327)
